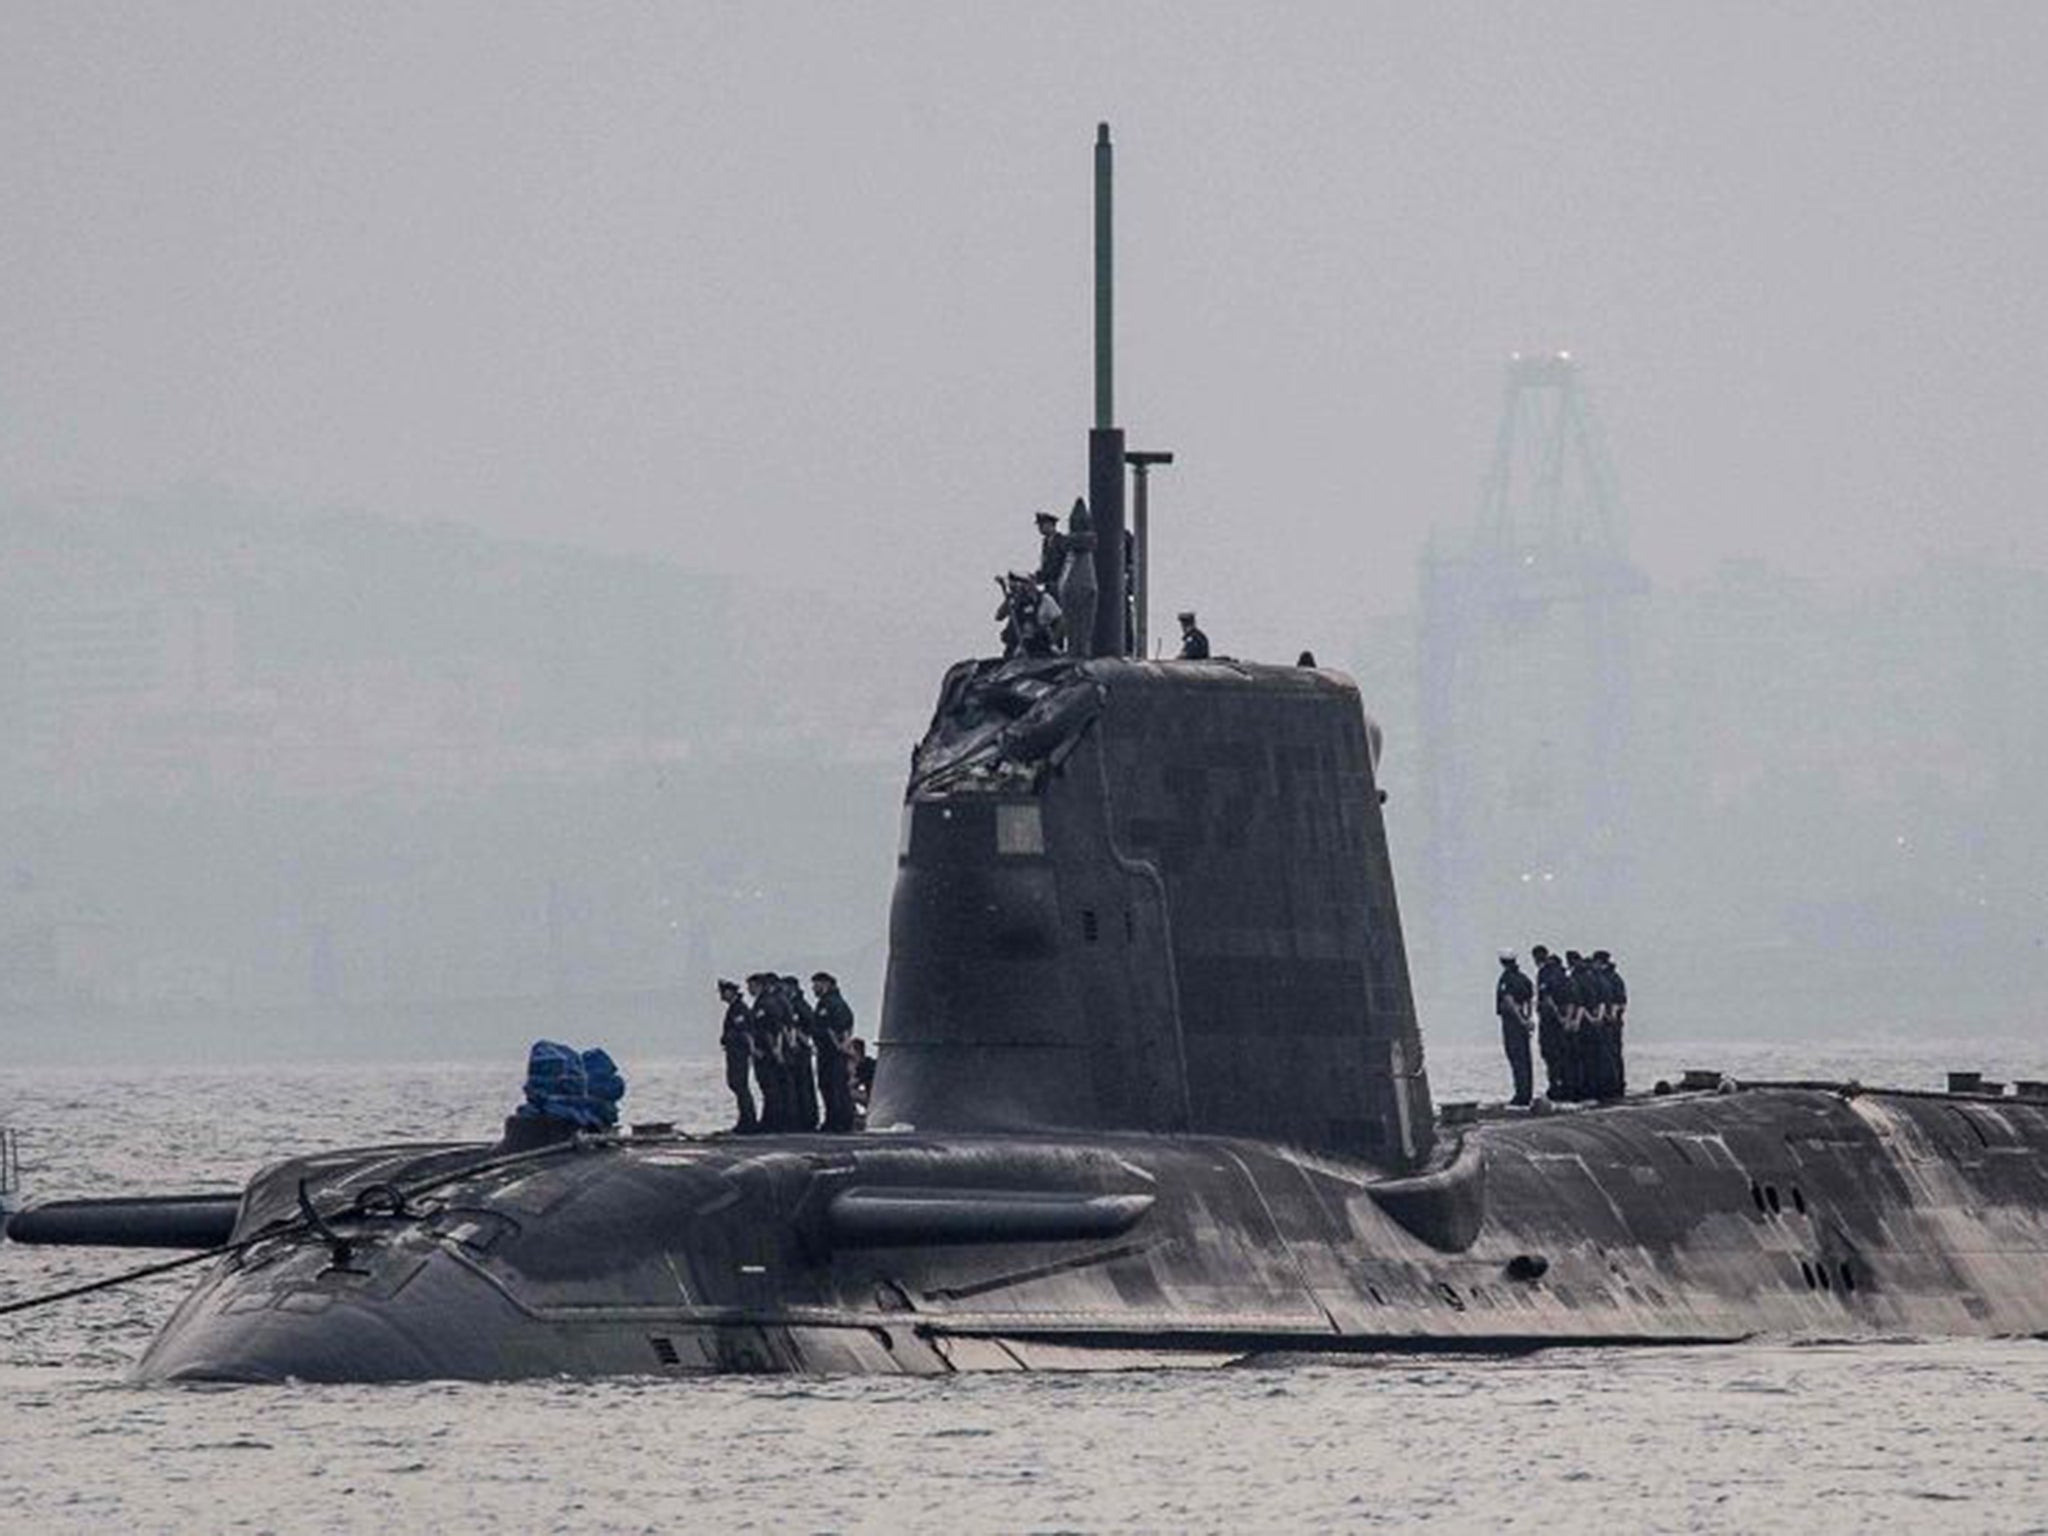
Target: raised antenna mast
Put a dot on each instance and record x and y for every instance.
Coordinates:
(1112, 635)
(1105, 294)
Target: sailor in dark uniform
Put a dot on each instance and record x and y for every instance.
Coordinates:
(1514, 999)
(802, 1057)
(1194, 645)
(1574, 1004)
(1030, 617)
(1594, 1027)
(832, 1030)
(771, 1019)
(863, 1080)
(1514, 1002)
(736, 1039)
(1617, 1019)
(1553, 988)
(1052, 550)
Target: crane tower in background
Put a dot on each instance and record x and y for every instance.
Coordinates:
(1527, 653)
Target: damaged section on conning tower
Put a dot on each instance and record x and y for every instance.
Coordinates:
(1002, 726)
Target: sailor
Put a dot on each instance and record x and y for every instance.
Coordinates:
(770, 1018)
(863, 1079)
(1514, 1000)
(1007, 615)
(833, 1032)
(1029, 616)
(802, 1056)
(1552, 986)
(1592, 990)
(1305, 659)
(1579, 1027)
(736, 1039)
(1194, 645)
(1052, 550)
(1617, 1020)
(1077, 594)
(1610, 1025)
(1603, 1069)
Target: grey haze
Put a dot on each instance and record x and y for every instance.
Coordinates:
(486, 491)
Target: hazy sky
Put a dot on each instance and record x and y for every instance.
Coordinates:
(808, 286)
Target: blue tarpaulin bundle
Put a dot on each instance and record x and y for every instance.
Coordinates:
(606, 1085)
(581, 1087)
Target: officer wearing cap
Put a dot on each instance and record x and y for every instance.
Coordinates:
(833, 1032)
(1194, 645)
(1052, 550)
(736, 1039)
(1514, 1000)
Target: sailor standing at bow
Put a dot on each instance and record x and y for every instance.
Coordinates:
(1581, 1010)
(1617, 1020)
(770, 1019)
(802, 1057)
(736, 1039)
(1514, 999)
(1553, 987)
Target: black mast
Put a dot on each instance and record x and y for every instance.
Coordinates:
(1106, 440)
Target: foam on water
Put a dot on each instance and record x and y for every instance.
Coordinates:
(1918, 1436)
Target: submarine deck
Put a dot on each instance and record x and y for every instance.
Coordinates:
(1799, 1212)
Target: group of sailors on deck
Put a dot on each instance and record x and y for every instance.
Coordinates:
(814, 1073)
(1576, 1008)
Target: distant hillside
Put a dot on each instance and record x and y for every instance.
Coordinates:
(264, 768)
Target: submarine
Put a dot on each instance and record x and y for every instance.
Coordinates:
(1151, 1091)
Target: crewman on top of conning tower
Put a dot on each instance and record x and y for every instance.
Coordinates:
(1030, 617)
(1514, 1000)
(1052, 549)
(863, 1079)
(1194, 645)
(736, 1039)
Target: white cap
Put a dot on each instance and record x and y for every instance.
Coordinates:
(1507, 954)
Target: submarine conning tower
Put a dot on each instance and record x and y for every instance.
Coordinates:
(1148, 895)
(1151, 896)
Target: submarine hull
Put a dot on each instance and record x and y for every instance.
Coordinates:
(1794, 1212)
